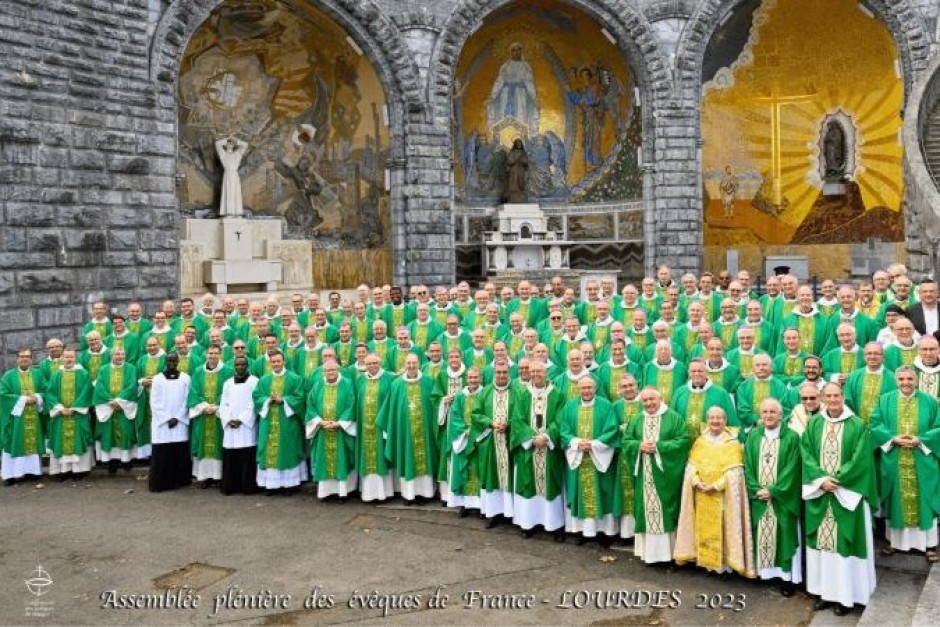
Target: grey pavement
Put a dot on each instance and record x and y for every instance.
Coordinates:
(104, 542)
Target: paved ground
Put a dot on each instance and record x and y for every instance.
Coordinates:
(107, 536)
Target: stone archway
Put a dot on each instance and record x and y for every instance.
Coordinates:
(630, 30)
(897, 24)
(370, 30)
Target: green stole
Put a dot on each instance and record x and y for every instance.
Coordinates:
(416, 423)
(907, 473)
(30, 416)
(587, 477)
(275, 415)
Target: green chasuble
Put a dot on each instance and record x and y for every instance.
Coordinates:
(446, 383)
(118, 431)
(333, 452)
(589, 491)
(752, 392)
(538, 472)
(280, 430)
(410, 426)
(307, 360)
(693, 405)
(625, 412)
(70, 389)
(464, 474)
(205, 430)
(92, 362)
(129, 342)
(909, 481)
(148, 366)
(658, 478)
(839, 448)
(774, 464)
(813, 328)
(21, 435)
(568, 385)
(789, 368)
(493, 459)
(665, 379)
(897, 356)
(608, 378)
(370, 396)
(839, 362)
(47, 366)
(864, 388)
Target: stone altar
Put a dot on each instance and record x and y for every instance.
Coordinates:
(239, 255)
(523, 242)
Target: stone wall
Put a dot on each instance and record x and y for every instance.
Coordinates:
(87, 188)
(88, 204)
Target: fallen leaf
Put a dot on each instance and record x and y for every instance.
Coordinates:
(607, 559)
(458, 548)
(129, 491)
(39, 486)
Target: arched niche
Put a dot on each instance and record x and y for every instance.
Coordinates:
(548, 73)
(315, 97)
(775, 75)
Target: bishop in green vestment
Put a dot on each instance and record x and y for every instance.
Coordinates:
(589, 434)
(115, 401)
(866, 385)
(409, 427)
(68, 397)
(772, 474)
(375, 473)
(492, 415)
(149, 366)
(447, 383)
(656, 446)
(331, 434)
(535, 441)
(838, 488)
(463, 474)
(279, 401)
(22, 440)
(205, 430)
(693, 400)
(906, 427)
(626, 409)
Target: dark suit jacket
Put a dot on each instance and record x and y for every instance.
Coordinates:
(916, 315)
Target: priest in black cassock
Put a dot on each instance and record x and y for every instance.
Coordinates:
(171, 464)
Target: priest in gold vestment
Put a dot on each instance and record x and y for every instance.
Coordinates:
(714, 520)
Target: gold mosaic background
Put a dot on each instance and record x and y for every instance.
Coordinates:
(283, 76)
(805, 60)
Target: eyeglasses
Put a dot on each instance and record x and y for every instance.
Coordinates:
(239, 348)
(554, 317)
(809, 398)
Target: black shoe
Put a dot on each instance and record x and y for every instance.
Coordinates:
(581, 540)
(341, 500)
(126, 466)
(605, 541)
(492, 522)
(821, 605)
(270, 492)
(462, 512)
(61, 477)
(558, 536)
(841, 610)
(113, 467)
(408, 503)
(9, 482)
(787, 589)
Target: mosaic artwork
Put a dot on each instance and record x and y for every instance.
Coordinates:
(546, 73)
(284, 77)
(800, 121)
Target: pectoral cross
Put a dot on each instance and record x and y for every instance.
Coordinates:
(238, 235)
(777, 102)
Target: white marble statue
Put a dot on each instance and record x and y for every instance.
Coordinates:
(231, 150)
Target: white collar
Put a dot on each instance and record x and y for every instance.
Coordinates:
(919, 364)
(845, 415)
(457, 373)
(410, 380)
(377, 375)
(704, 388)
(772, 434)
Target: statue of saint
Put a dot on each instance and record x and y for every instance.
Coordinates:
(231, 150)
(514, 93)
(517, 168)
(729, 191)
(834, 151)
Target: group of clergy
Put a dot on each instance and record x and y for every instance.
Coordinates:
(757, 435)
